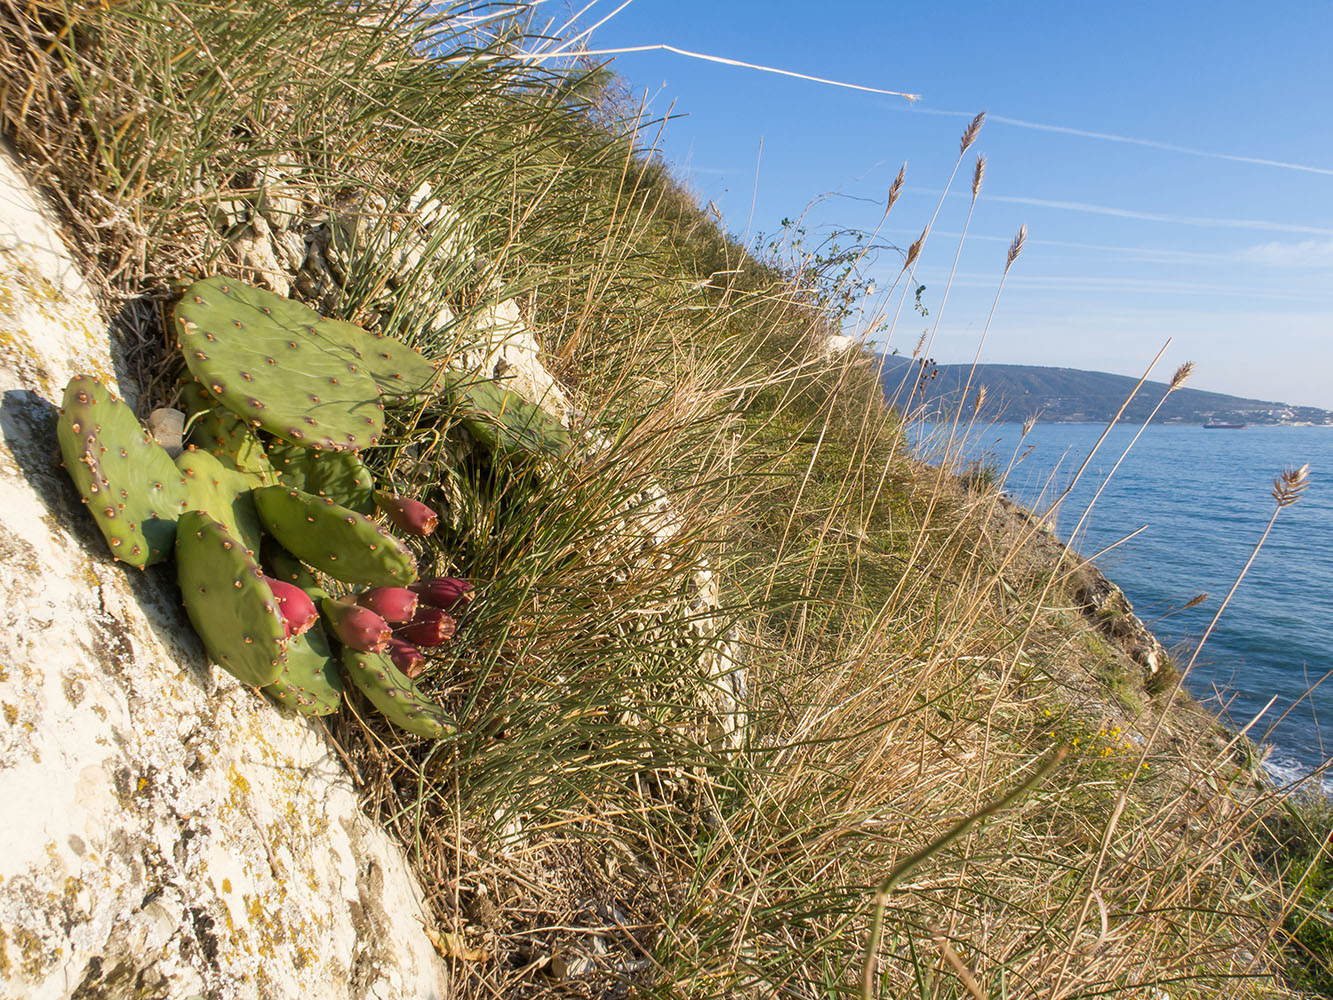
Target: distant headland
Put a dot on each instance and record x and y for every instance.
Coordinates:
(1068, 395)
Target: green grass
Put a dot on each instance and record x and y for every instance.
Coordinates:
(1299, 849)
(909, 653)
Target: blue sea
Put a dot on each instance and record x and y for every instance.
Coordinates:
(1199, 500)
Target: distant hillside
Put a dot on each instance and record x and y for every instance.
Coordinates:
(1067, 395)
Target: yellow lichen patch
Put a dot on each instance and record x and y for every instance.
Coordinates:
(18, 358)
(73, 888)
(30, 948)
(226, 885)
(240, 785)
(24, 289)
(268, 931)
(11, 713)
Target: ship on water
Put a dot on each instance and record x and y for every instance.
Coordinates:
(1222, 425)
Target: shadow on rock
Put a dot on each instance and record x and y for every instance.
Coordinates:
(28, 427)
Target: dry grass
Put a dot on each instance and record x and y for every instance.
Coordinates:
(914, 650)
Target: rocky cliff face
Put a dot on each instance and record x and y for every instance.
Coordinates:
(167, 831)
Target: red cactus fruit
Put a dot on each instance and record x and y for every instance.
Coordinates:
(393, 604)
(357, 627)
(297, 609)
(411, 516)
(431, 627)
(406, 657)
(445, 592)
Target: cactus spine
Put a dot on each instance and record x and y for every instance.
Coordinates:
(229, 604)
(394, 694)
(129, 482)
(334, 539)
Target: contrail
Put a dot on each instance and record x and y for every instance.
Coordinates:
(1086, 283)
(566, 51)
(1179, 220)
(1131, 141)
(579, 53)
(1129, 213)
(1152, 252)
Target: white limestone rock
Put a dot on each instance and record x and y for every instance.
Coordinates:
(168, 833)
(254, 250)
(837, 345)
(504, 348)
(278, 181)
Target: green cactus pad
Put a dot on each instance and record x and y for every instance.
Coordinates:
(334, 539)
(131, 486)
(394, 694)
(269, 360)
(229, 604)
(282, 565)
(221, 493)
(398, 370)
(338, 475)
(225, 436)
(504, 421)
(309, 682)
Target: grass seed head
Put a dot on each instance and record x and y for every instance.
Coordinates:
(970, 133)
(896, 188)
(1182, 374)
(1016, 247)
(1290, 484)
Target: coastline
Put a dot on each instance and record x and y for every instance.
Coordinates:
(1194, 732)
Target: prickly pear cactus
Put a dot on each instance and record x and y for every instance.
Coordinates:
(400, 372)
(338, 475)
(229, 604)
(504, 421)
(224, 435)
(309, 682)
(221, 493)
(282, 565)
(394, 694)
(269, 360)
(131, 486)
(334, 539)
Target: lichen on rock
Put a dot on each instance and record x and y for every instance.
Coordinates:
(170, 834)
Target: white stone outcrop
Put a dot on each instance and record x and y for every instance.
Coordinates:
(837, 345)
(504, 348)
(167, 832)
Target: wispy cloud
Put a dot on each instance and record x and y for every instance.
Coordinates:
(1130, 285)
(1148, 254)
(1178, 220)
(1169, 147)
(1130, 213)
(1315, 254)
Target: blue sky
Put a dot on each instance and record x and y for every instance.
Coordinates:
(1128, 244)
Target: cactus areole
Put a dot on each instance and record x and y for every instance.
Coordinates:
(129, 482)
(280, 400)
(229, 602)
(334, 539)
(268, 360)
